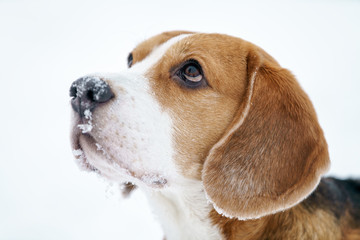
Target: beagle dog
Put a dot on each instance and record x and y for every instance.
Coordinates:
(222, 139)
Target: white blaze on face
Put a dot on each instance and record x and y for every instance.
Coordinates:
(133, 135)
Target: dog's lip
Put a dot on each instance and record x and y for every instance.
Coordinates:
(79, 153)
(152, 180)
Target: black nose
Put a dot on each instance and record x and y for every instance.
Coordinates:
(88, 92)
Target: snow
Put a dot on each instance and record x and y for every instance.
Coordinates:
(99, 86)
(80, 159)
(46, 45)
(77, 152)
(87, 127)
(102, 150)
(153, 180)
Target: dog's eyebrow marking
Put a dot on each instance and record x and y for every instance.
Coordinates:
(156, 54)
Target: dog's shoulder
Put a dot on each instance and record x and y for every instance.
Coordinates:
(339, 199)
(332, 211)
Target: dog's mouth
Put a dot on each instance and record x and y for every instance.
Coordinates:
(91, 155)
(80, 156)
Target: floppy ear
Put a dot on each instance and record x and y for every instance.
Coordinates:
(273, 154)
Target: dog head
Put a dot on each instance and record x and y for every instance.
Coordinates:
(207, 107)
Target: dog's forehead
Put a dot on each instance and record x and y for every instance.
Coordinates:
(146, 47)
(222, 58)
(211, 42)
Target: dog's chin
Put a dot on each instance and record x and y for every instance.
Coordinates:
(91, 156)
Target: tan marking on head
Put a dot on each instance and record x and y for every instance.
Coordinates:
(200, 116)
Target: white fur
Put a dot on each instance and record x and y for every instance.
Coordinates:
(134, 132)
(133, 142)
(183, 212)
(157, 53)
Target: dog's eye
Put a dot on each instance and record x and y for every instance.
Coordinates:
(191, 74)
(130, 60)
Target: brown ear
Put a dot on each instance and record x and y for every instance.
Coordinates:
(273, 154)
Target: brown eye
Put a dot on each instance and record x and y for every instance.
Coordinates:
(192, 73)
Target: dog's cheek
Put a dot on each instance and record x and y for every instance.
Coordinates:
(197, 128)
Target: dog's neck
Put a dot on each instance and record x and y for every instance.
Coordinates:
(184, 212)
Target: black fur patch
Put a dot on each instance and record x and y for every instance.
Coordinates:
(339, 197)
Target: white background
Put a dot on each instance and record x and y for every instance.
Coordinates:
(45, 45)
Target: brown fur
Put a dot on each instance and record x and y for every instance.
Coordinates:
(252, 137)
(200, 115)
(295, 223)
(331, 212)
(277, 154)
